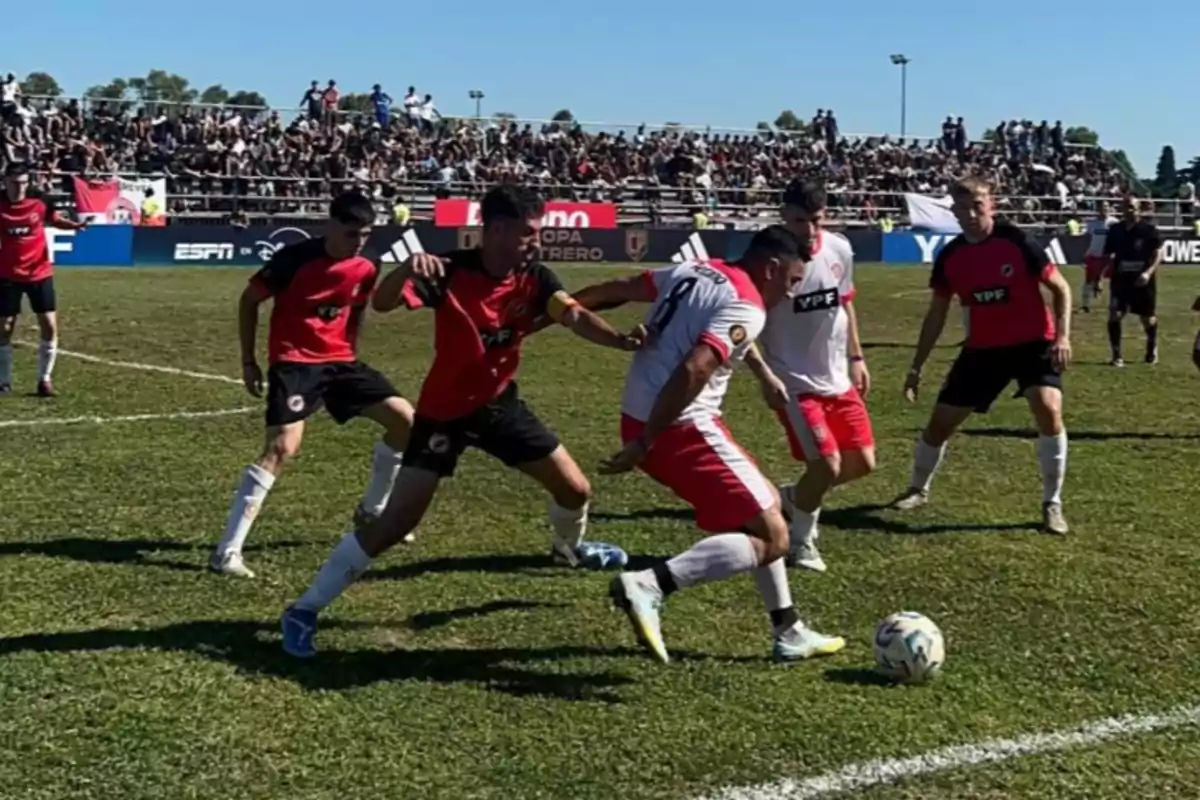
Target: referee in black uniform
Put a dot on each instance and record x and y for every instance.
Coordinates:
(1135, 246)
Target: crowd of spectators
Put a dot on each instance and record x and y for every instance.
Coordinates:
(265, 161)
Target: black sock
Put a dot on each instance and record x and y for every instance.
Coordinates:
(784, 618)
(1114, 337)
(666, 581)
(1151, 337)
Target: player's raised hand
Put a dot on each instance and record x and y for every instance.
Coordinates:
(912, 385)
(252, 378)
(1060, 354)
(427, 265)
(630, 456)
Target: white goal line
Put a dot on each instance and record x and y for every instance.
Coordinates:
(883, 771)
(95, 420)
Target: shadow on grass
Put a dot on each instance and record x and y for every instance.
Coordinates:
(435, 619)
(857, 677)
(252, 647)
(1079, 436)
(530, 565)
(134, 552)
(867, 518)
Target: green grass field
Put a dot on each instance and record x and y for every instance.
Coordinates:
(465, 667)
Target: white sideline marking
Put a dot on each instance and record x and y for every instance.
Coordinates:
(185, 373)
(882, 771)
(29, 423)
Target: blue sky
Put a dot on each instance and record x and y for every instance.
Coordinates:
(622, 61)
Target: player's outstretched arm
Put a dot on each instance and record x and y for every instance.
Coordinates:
(931, 330)
(608, 295)
(565, 310)
(390, 294)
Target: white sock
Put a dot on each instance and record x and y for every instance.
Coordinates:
(570, 525)
(347, 561)
(1052, 455)
(804, 526)
(772, 583)
(47, 353)
(6, 354)
(385, 465)
(251, 492)
(713, 559)
(925, 463)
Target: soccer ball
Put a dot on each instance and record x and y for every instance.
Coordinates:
(909, 648)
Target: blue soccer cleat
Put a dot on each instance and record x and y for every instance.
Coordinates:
(299, 627)
(595, 556)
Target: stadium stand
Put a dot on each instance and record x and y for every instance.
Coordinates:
(269, 164)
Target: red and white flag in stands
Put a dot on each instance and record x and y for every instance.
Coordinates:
(116, 202)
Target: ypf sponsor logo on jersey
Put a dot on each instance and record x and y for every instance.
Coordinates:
(204, 251)
(1181, 251)
(820, 300)
(992, 296)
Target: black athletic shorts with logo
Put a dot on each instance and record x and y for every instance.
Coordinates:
(1126, 297)
(980, 375)
(296, 391)
(40, 293)
(505, 428)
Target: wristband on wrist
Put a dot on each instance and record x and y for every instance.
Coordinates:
(856, 359)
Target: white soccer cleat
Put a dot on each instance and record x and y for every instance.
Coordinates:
(230, 563)
(799, 642)
(911, 499)
(640, 600)
(1053, 521)
(807, 556)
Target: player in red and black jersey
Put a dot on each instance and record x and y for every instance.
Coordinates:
(485, 302)
(1135, 247)
(26, 271)
(997, 273)
(320, 289)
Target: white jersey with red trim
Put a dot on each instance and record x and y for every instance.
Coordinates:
(806, 335)
(710, 303)
(1097, 229)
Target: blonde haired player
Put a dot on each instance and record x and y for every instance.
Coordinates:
(1095, 262)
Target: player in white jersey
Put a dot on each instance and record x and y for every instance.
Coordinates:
(1095, 263)
(704, 318)
(815, 376)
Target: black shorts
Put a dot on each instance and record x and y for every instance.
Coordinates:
(295, 391)
(40, 293)
(505, 428)
(1126, 297)
(980, 375)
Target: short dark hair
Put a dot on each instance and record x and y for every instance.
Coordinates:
(776, 241)
(511, 202)
(352, 208)
(809, 195)
(16, 169)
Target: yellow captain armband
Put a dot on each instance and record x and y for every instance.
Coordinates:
(559, 304)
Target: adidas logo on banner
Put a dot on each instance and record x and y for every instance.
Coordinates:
(1054, 252)
(407, 245)
(692, 250)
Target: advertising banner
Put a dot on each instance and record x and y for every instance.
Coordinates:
(101, 246)
(922, 248)
(457, 213)
(115, 202)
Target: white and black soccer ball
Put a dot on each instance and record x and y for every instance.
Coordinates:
(909, 648)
